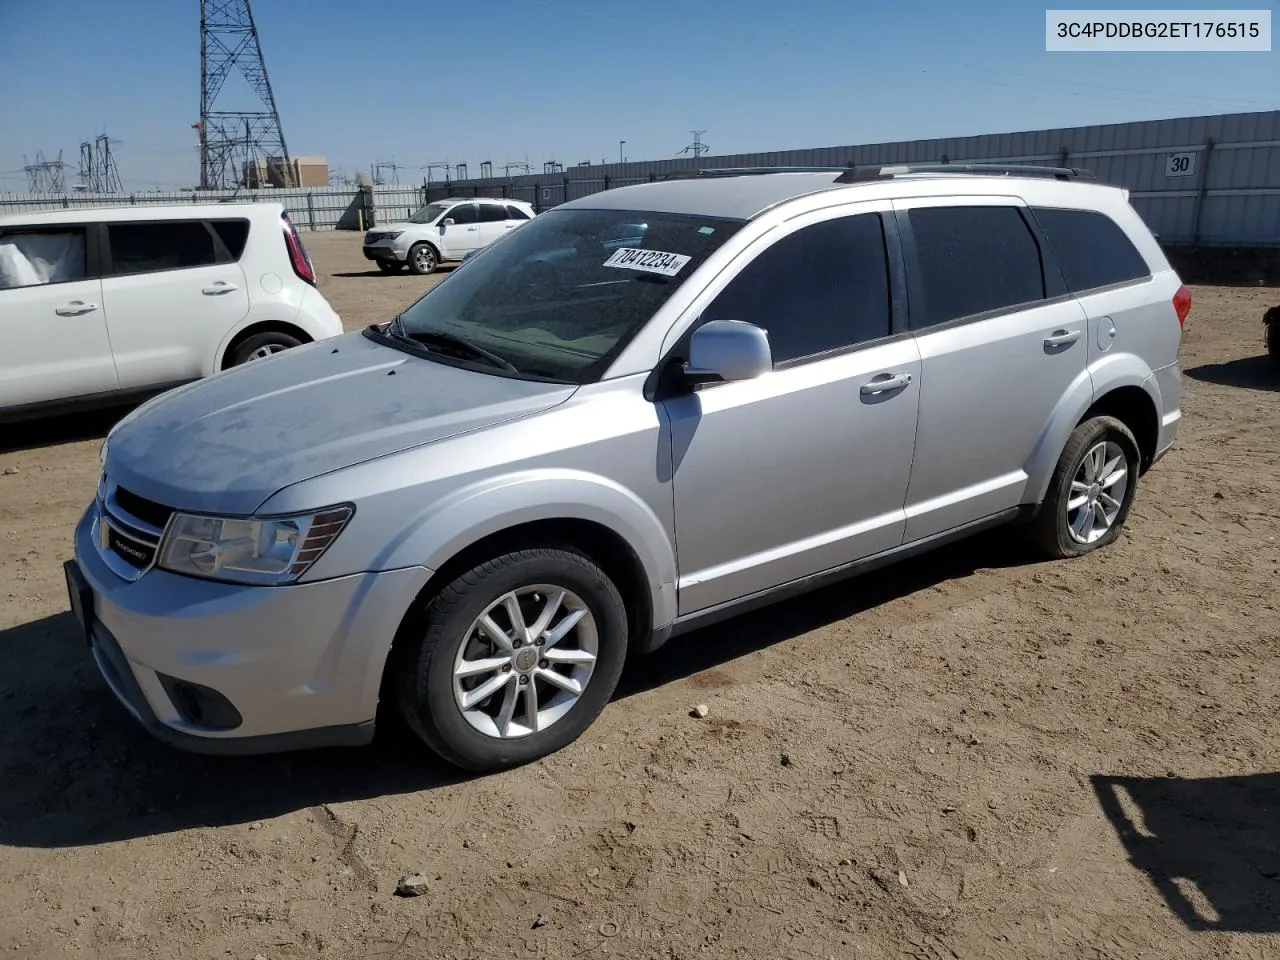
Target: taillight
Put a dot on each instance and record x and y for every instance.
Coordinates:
(297, 252)
(1182, 304)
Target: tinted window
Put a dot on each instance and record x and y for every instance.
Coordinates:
(974, 259)
(1091, 248)
(515, 213)
(462, 213)
(33, 258)
(492, 213)
(820, 288)
(234, 235)
(168, 245)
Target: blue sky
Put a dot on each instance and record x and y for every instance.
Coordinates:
(567, 79)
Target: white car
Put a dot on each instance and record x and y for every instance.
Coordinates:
(446, 230)
(97, 305)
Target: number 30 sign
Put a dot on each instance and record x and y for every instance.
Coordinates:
(1180, 165)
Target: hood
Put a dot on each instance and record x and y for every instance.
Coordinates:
(227, 443)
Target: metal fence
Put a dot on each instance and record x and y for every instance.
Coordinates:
(1203, 180)
(335, 208)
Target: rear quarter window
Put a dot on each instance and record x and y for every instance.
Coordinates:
(1091, 248)
(234, 234)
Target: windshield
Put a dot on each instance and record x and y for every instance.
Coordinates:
(561, 296)
(429, 213)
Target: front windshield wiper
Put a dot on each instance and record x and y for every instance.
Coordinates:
(439, 339)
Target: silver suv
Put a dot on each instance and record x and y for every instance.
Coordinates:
(643, 411)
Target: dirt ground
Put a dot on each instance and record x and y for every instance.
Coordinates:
(968, 755)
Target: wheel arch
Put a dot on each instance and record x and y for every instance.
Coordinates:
(608, 524)
(1122, 387)
(252, 330)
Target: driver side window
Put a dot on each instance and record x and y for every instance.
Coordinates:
(822, 288)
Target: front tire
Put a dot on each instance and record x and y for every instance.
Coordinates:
(1092, 489)
(514, 658)
(423, 259)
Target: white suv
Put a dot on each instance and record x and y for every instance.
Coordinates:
(445, 230)
(100, 304)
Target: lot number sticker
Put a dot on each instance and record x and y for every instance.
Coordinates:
(650, 261)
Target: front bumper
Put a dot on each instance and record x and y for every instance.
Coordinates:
(387, 253)
(299, 665)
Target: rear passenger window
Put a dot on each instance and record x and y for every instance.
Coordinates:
(818, 289)
(1091, 248)
(492, 213)
(164, 245)
(234, 234)
(974, 259)
(515, 213)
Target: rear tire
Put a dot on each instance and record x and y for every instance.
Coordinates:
(389, 266)
(1091, 491)
(262, 345)
(423, 259)
(449, 655)
(1273, 340)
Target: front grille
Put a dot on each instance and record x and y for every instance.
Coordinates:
(146, 510)
(130, 528)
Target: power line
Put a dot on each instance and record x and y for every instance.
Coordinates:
(697, 148)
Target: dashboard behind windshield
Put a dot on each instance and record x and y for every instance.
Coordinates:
(563, 295)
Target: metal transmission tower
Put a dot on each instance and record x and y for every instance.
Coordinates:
(98, 172)
(697, 148)
(45, 176)
(234, 143)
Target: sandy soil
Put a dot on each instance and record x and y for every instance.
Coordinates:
(968, 756)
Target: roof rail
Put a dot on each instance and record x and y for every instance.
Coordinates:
(877, 171)
(748, 171)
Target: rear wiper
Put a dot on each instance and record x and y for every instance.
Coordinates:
(449, 340)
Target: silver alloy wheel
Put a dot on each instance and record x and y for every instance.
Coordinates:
(525, 661)
(424, 259)
(1097, 492)
(267, 350)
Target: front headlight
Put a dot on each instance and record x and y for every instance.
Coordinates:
(257, 550)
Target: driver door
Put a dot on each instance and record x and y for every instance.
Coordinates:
(460, 237)
(805, 468)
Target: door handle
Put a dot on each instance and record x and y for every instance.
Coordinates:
(1062, 338)
(885, 382)
(472, 229)
(220, 287)
(75, 308)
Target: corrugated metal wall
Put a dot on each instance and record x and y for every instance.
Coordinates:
(1237, 202)
(1212, 179)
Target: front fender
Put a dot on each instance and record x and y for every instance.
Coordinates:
(1107, 374)
(490, 506)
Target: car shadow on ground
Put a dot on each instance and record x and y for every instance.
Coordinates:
(78, 770)
(1211, 846)
(63, 428)
(1250, 373)
(444, 268)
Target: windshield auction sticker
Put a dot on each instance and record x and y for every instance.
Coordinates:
(650, 261)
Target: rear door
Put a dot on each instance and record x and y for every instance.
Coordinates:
(173, 289)
(460, 237)
(1000, 343)
(493, 222)
(53, 328)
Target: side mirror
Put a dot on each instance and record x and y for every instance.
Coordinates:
(726, 351)
(447, 223)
